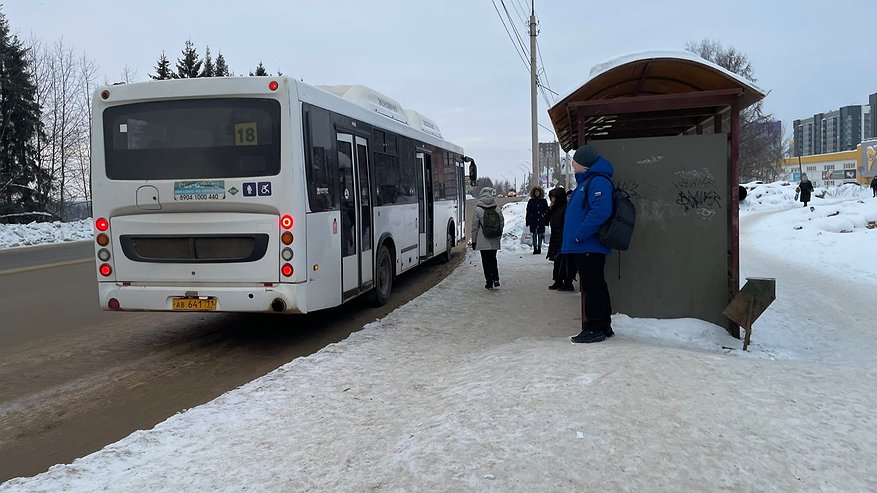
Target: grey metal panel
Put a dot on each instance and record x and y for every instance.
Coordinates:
(677, 264)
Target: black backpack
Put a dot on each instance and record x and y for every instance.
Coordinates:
(491, 224)
(617, 231)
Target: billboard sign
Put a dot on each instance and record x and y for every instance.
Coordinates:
(868, 159)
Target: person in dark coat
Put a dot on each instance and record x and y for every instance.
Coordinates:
(805, 188)
(589, 207)
(564, 270)
(874, 185)
(537, 206)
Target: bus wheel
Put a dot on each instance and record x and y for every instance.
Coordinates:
(446, 257)
(383, 278)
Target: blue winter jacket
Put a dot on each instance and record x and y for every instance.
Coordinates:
(580, 224)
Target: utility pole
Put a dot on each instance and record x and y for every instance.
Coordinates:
(534, 180)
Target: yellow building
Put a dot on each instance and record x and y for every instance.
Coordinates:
(831, 169)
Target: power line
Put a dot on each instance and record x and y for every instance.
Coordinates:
(522, 15)
(517, 49)
(544, 72)
(515, 29)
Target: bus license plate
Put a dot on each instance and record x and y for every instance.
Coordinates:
(194, 304)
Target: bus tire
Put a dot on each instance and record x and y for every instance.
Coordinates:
(449, 246)
(383, 278)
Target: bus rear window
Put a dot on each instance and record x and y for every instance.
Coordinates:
(185, 139)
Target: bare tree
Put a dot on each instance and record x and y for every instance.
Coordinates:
(761, 137)
(63, 82)
(80, 177)
(129, 74)
(481, 182)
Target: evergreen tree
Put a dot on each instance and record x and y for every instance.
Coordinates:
(208, 69)
(260, 70)
(163, 69)
(221, 69)
(20, 127)
(190, 64)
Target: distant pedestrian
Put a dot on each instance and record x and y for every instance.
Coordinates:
(874, 185)
(805, 188)
(589, 207)
(487, 226)
(537, 206)
(564, 268)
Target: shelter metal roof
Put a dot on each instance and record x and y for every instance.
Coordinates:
(648, 94)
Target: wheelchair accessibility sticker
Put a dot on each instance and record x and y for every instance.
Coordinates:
(199, 190)
(262, 189)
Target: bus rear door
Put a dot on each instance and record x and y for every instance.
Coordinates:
(357, 250)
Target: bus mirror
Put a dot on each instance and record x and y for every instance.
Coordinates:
(473, 172)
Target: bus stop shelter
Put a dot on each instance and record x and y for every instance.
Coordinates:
(669, 122)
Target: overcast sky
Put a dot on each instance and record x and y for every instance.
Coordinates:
(453, 61)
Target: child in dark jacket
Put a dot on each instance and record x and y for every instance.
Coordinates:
(537, 206)
(564, 270)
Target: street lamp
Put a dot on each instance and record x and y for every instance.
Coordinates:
(525, 169)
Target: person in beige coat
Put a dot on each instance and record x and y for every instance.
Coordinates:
(484, 234)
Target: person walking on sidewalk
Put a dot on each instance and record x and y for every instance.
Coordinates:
(805, 188)
(589, 207)
(537, 206)
(564, 270)
(874, 185)
(487, 226)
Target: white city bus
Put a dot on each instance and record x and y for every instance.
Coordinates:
(255, 194)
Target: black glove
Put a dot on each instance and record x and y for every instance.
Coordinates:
(473, 245)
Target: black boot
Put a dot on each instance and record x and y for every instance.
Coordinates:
(489, 285)
(556, 285)
(587, 337)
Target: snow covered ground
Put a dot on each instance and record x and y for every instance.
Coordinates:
(468, 389)
(19, 235)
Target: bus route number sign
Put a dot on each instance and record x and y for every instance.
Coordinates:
(246, 134)
(199, 190)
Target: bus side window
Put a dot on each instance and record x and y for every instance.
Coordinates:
(322, 167)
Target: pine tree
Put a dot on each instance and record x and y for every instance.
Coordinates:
(163, 69)
(208, 69)
(260, 70)
(20, 127)
(221, 69)
(190, 64)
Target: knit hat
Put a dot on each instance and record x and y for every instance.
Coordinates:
(585, 155)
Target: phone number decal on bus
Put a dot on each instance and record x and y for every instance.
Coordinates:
(199, 190)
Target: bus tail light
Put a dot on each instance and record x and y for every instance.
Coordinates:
(102, 240)
(113, 304)
(103, 254)
(273, 85)
(105, 270)
(286, 221)
(286, 238)
(286, 253)
(286, 270)
(101, 224)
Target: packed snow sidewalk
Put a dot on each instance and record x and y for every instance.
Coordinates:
(466, 389)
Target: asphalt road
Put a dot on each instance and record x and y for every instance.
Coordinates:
(74, 378)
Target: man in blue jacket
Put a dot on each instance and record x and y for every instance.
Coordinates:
(584, 216)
